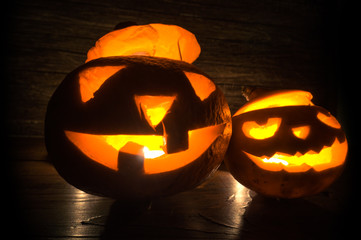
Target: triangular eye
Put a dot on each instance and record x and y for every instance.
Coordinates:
(301, 132)
(92, 78)
(154, 108)
(202, 86)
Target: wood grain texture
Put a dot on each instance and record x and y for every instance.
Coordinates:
(276, 44)
(271, 44)
(46, 207)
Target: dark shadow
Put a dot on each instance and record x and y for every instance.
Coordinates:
(270, 218)
(121, 216)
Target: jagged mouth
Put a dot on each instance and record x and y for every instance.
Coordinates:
(104, 149)
(328, 157)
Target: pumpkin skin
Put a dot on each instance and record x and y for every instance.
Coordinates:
(116, 105)
(293, 158)
(155, 39)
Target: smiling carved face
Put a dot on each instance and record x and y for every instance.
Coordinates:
(284, 133)
(138, 119)
(294, 136)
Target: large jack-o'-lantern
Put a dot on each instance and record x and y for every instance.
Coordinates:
(285, 146)
(141, 125)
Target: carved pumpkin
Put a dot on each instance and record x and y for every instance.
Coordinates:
(137, 127)
(285, 146)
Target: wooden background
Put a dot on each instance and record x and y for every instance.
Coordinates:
(277, 44)
(262, 43)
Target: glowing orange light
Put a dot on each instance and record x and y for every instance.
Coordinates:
(282, 99)
(104, 148)
(150, 154)
(154, 107)
(202, 86)
(301, 132)
(158, 40)
(328, 157)
(199, 142)
(329, 120)
(91, 79)
(253, 130)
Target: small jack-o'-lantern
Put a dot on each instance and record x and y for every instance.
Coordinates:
(285, 146)
(137, 127)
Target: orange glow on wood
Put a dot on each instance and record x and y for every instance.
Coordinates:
(328, 157)
(104, 148)
(157, 40)
(91, 79)
(154, 108)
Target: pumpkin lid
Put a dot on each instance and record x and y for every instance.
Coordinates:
(157, 40)
(279, 98)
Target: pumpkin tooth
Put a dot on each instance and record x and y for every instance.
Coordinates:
(298, 154)
(302, 162)
(314, 152)
(313, 139)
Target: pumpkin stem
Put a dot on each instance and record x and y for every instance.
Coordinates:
(250, 92)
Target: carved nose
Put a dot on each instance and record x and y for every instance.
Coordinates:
(156, 110)
(153, 108)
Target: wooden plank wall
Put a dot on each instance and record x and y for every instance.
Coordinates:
(274, 44)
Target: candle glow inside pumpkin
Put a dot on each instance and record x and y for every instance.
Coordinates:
(328, 157)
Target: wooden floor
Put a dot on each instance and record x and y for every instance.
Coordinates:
(272, 44)
(46, 207)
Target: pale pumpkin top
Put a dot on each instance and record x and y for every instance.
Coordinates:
(157, 40)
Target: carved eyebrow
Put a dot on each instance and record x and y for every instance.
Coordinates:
(203, 87)
(92, 78)
(329, 120)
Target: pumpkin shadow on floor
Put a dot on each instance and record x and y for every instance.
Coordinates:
(121, 218)
(270, 218)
